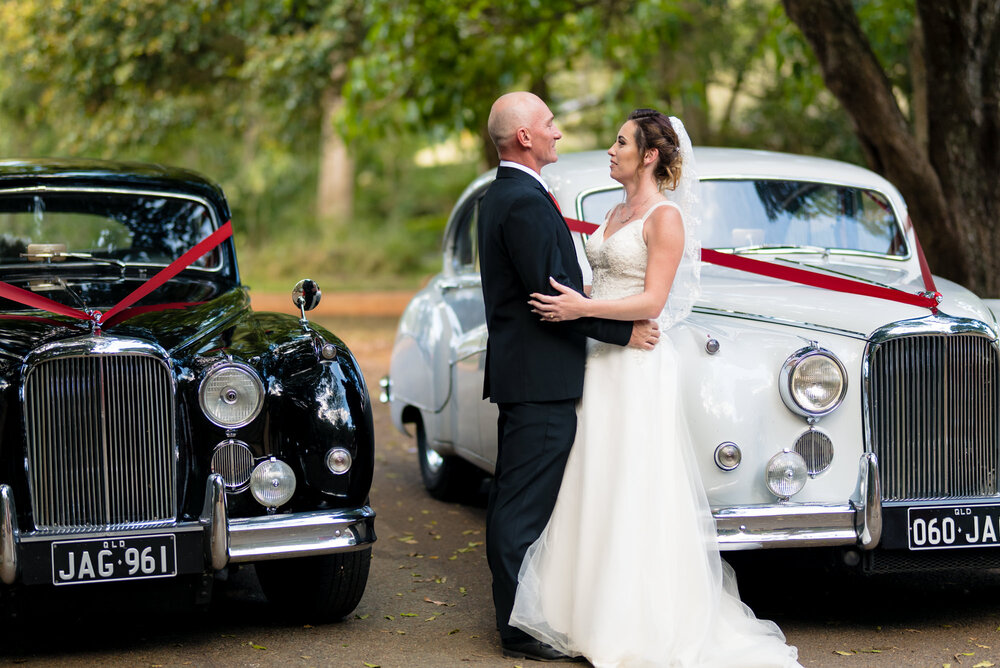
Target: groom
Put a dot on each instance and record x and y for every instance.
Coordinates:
(534, 369)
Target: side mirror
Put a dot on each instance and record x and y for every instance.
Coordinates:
(306, 295)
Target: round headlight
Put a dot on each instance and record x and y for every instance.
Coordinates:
(338, 460)
(231, 395)
(813, 382)
(728, 456)
(786, 474)
(272, 483)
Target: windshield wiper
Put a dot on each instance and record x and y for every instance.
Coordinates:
(76, 256)
(781, 247)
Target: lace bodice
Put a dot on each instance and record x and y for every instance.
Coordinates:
(619, 262)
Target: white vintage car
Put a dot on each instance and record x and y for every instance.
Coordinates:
(851, 404)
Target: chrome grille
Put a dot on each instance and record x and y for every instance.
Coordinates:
(99, 441)
(933, 416)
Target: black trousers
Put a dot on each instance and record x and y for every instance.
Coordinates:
(533, 443)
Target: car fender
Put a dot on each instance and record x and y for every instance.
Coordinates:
(732, 395)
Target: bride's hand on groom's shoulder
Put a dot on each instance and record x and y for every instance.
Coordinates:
(567, 305)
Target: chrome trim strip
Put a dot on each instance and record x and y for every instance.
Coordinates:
(214, 519)
(300, 534)
(46, 537)
(728, 313)
(9, 537)
(933, 325)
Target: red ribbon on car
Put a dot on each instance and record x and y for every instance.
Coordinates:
(929, 298)
(29, 298)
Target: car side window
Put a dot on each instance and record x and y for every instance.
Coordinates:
(465, 245)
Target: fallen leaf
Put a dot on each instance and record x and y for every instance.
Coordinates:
(255, 646)
(388, 617)
(407, 614)
(437, 602)
(454, 631)
(843, 653)
(365, 616)
(372, 665)
(984, 664)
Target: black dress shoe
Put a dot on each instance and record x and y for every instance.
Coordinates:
(536, 651)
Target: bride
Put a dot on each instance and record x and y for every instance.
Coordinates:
(627, 572)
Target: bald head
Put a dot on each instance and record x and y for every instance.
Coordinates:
(523, 130)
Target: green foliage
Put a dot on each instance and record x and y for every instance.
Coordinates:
(237, 90)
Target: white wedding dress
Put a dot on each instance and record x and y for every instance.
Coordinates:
(627, 572)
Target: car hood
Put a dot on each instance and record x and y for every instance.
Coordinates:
(176, 326)
(741, 293)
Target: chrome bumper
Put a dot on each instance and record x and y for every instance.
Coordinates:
(227, 540)
(858, 522)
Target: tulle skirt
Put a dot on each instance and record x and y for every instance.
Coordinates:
(627, 572)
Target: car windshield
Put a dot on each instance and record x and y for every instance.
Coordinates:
(130, 228)
(745, 215)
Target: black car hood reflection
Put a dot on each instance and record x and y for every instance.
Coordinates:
(176, 321)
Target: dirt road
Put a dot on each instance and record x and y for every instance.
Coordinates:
(428, 599)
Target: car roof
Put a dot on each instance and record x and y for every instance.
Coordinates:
(90, 173)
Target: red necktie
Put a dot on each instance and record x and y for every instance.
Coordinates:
(552, 197)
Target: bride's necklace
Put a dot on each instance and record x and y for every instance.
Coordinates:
(627, 213)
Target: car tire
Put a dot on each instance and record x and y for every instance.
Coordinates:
(316, 589)
(446, 477)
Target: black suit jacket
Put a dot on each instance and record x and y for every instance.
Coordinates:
(523, 239)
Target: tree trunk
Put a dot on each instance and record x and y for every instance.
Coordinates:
(962, 56)
(938, 205)
(335, 192)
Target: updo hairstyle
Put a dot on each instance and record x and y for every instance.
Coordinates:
(653, 130)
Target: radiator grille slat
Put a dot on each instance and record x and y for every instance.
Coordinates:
(934, 417)
(99, 436)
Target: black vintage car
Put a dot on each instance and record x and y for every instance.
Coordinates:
(151, 424)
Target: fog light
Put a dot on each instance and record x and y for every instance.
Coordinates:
(272, 483)
(728, 456)
(338, 461)
(786, 474)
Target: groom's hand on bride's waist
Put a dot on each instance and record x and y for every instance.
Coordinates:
(645, 334)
